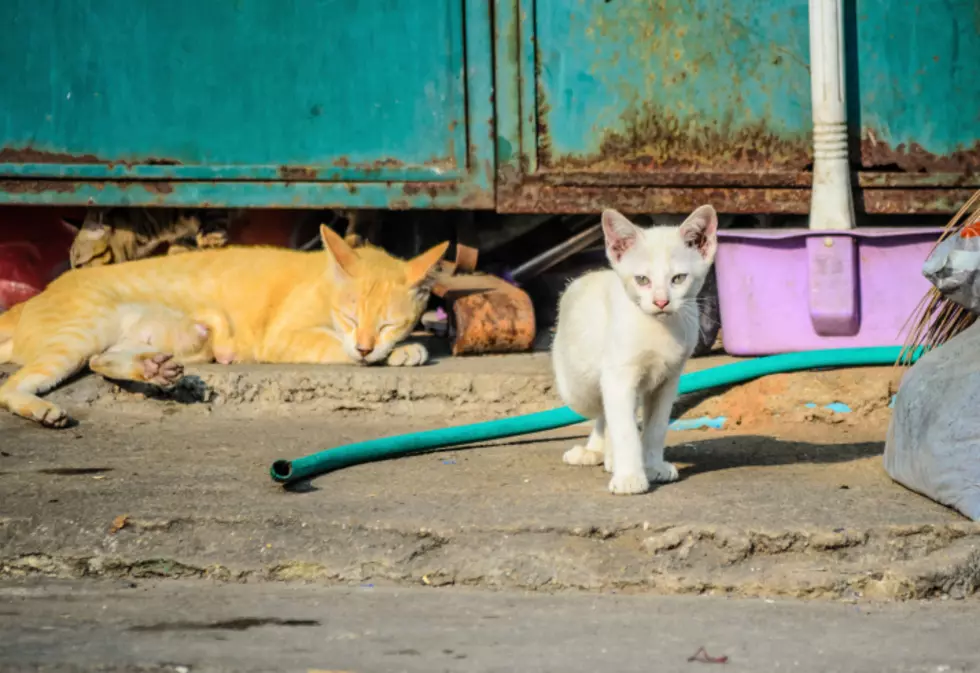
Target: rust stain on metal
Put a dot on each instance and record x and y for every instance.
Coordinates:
(155, 186)
(432, 189)
(379, 165)
(913, 158)
(542, 109)
(394, 164)
(912, 201)
(291, 173)
(488, 171)
(30, 155)
(653, 138)
(369, 166)
(37, 186)
(508, 178)
(477, 199)
(539, 197)
(920, 180)
(489, 314)
(679, 179)
(535, 197)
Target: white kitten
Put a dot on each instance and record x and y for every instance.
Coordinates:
(624, 336)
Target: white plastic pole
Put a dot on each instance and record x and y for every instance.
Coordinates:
(832, 204)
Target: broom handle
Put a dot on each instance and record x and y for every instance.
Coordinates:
(832, 204)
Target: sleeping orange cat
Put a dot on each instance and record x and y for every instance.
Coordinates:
(244, 304)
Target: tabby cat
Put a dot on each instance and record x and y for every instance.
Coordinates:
(339, 305)
(114, 235)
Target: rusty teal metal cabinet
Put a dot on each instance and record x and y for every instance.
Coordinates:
(373, 103)
(660, 105)
(517, 105)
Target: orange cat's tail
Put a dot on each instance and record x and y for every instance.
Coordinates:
(9, 320)
(8, 325)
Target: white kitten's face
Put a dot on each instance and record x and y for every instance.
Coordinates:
(662, 268)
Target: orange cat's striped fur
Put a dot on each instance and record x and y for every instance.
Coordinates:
(256, 304)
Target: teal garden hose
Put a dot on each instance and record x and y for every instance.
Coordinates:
(328, 460)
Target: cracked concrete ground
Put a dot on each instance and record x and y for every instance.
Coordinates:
(787, 502)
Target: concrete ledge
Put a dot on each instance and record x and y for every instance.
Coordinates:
(487, 386)
(499, 384)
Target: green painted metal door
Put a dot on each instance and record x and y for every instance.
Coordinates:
(660, 105)
(383, 103)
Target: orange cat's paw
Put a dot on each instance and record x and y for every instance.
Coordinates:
(408, 355)
(160, 369)
(55, 417)
(45, 413)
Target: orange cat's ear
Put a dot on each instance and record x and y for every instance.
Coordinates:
(337, 248)
(417, 269)
(93, 233)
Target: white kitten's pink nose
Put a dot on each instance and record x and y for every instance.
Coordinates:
(661, 303)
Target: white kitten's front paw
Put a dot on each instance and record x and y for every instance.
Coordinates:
(662, 472)
(408, 355)
(629, 483)
(579, 455)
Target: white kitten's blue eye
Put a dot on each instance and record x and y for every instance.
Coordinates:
(642, 281)
(679, 278)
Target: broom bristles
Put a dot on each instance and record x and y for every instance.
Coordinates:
(937, 319)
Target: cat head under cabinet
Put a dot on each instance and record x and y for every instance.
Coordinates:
(662, 268)
(378, 298)
(92, 245)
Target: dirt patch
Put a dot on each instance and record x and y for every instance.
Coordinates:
(853, 396)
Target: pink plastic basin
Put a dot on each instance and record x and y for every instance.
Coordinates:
(784, 290)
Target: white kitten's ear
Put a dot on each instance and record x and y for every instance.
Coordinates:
(700, 231)
(621, 234)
